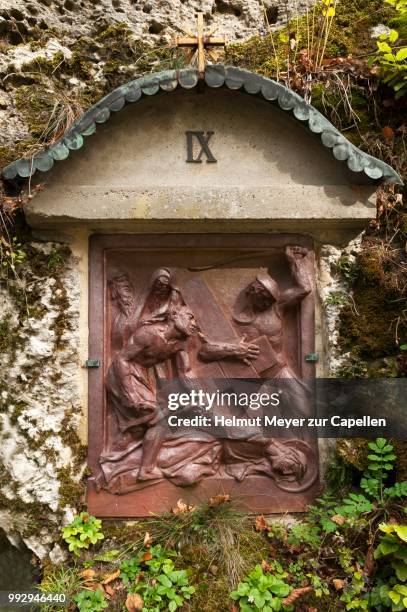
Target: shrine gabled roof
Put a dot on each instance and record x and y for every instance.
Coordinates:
(215, 76)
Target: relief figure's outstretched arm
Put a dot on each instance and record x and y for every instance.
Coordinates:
(215, 351)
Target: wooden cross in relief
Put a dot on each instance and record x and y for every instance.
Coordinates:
(199, 43)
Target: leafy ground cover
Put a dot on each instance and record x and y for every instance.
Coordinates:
(348, 552)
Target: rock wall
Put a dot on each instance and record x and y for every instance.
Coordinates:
(41, 457)
(148, 19)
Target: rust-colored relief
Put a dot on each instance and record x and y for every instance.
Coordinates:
(178, 310)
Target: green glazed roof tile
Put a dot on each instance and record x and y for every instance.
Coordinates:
(215, 76)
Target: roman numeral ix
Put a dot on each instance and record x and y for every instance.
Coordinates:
(201, 139)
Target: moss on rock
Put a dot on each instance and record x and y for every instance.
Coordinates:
(368, 328)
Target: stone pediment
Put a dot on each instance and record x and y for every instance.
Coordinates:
(275, 158)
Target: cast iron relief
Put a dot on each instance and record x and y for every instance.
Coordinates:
(177, 327)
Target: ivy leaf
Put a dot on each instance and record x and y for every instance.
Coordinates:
(401, 570)
(393, 36)
(395, 597)
(384, 47)
(401, 531)
(401, 55)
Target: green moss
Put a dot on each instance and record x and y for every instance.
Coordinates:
(115, 32)
(401, 465)
(36, 103)
(18, 409)
(8, 154)
(9, 341)
(72, 492)
(368, 328)
(44, 66)
(353, 451)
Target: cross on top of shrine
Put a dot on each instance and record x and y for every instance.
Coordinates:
(199, 43)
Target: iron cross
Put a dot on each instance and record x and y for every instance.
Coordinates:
(199, 43)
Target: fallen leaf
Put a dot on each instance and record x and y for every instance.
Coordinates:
(182, 507)
(294, 549)
(273, 551)
(87, 574)
(369, 565)
(214, 569)
(265, 566)
(339, 584)
(93, 586)
(260, 523)
(388, 133)
(148, 540)
(110, 577)
(217, 500)
(134, 602)
(296, 594)
(338, 519)
(109, 591)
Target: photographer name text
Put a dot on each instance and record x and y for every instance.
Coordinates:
(273, 421)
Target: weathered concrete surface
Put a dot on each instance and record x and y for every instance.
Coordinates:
(132, 174)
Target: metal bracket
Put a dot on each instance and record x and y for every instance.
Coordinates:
(92, 363)
(313, 357)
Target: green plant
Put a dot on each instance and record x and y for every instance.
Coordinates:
(220, 529)
(83, 531)
(305, 533)
(55, 260)
(355, 594)
(12, 253)
(381, 461)
(160, 585)
(375, 495)
(60, 580)
(391, 591)
(261, 591)
(90, 600)
(336, 298)
(319, 586)
(392, 54)
(347, 268)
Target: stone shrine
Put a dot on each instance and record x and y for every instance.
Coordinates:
(196, 209)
